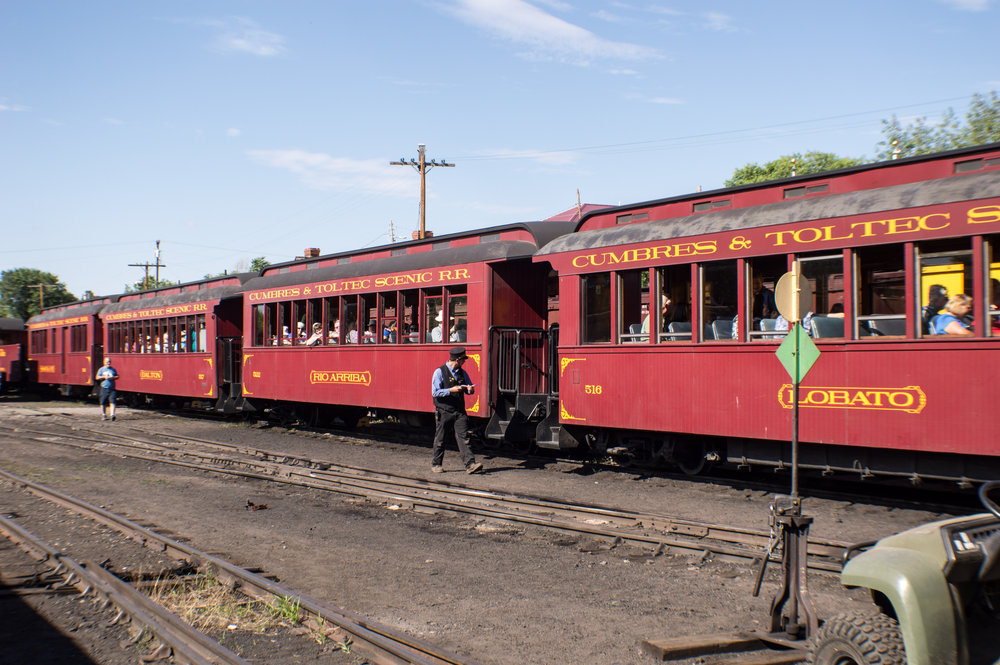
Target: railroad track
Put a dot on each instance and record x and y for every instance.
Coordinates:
(655, 531)
(383, 645)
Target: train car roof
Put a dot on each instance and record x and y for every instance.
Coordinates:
(541, 232)
(784, 182)
(10, 323)
(182, 298)
(930, 192)
(489, 251)
(72, 309)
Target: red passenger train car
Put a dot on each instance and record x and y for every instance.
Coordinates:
(178, 342)
(669, 331)
(342, 334)
(13, 352)
(65, 345)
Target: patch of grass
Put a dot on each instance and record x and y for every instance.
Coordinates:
(206, 603)
(288, 610)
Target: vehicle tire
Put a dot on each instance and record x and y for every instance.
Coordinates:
(869, 638)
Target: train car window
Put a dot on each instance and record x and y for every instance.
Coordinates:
(299, 324)
(315, 332)
(881, 292)
(719, 298)
(764, 274)
(596, 310)
(332, 308)
(367, 318)
(945, 270)
(434, 315)
(633, 306)
(458, 314)
(389, 318)
(202, 334)
(826, 278)
(258, 326)
(993, 278)
(349, 319)
(674, 322)
(285, 323)
(409, 305)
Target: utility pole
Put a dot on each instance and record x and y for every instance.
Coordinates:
(422, 166)
(41, 292)
(147, 265)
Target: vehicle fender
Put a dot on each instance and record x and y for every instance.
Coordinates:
(915, 586)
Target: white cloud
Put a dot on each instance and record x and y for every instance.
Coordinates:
(325, 172)
(113, 121)
(547, 36)
(969, 5)
(12, 107)
(720, 22)
(233, 132)
(243, 34)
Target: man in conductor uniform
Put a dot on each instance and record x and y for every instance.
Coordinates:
(449, 386)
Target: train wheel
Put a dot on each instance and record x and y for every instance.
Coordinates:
(691, 457)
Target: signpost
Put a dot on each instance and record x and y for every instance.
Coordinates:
(793, 296)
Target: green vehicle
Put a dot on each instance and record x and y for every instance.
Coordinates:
(937, 592)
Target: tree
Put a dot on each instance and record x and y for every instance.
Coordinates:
(148, 283)
(23, 290)
(258, 264)
(982, 125)
(789, 165)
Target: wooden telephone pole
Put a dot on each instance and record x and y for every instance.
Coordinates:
(422, 166)
(147, 265)
(41, 292)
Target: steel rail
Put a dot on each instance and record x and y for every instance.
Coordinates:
(642, 528)
(189, 645)
(384, 644)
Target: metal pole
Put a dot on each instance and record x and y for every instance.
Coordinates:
(422, 153)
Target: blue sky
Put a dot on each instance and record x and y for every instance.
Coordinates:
(233, 129)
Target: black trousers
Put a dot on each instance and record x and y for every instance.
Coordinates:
(459, 423)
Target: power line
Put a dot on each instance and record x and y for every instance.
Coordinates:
(422, 166)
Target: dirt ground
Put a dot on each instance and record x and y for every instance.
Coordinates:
(500, 594)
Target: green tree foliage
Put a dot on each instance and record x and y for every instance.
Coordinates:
(147, 284)
(789, 165)
(19, 292)
(981, 126)
(258, 264)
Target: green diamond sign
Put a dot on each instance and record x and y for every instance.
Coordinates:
(797, 364)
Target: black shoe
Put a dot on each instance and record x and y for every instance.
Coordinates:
(475, 467)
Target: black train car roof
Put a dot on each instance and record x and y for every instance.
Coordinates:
(68, 310)
(929, 192)
(488, 251)
(216, 293)
(11, 324)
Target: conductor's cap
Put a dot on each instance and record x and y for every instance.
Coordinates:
(457, 353)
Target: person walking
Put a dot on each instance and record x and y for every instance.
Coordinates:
(107, 375)
(449, 386)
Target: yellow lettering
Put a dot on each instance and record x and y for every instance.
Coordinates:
(902, 225)
(927, 227)
(867, 226)
(800, 236)
(662, 252)
(779, 240)
(828, 234)
(984, 215)
(900, 399)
